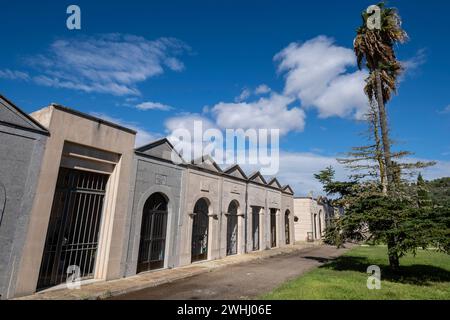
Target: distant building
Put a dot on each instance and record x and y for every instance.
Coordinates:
(312, 217)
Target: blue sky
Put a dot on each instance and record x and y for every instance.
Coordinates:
(213, 59)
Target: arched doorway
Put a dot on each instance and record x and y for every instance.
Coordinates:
(200, 226)
(232, 228)
(286, 227)
(153, 233)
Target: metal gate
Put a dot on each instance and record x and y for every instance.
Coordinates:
(153, 234)
(200, 226)
(255, 227)
(286, 227)
(232, 228)
(273, 228)
(72, 236)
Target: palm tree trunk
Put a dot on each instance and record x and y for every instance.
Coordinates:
(378, 149)
(384, 129)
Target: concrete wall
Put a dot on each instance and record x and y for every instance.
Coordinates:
(83, 142)
(151, 176)
(20, 158)
(198, 185)
(256, 197)
(308, 209)
(302, 210)
(287, 205)
(66, 125)
(233, 190)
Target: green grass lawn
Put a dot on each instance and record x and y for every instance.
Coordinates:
(425, 276)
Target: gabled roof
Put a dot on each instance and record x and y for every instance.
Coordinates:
(236, 171)
(11, 115)
(207, 162)
(287, 189)
(162, 149)
(257, 177)
(274, 183)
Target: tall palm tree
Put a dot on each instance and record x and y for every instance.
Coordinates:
(375, 47)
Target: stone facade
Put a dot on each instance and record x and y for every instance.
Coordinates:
(22, 142)
(154, 173)
(220, 190)
(80, 142)
(312, 217)
(125, 210)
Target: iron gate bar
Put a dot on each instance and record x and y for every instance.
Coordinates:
(153, 234)
(200, 230)
(232, 228)
(72, 236)
(255, 227)
(273, 227)
(286, 228)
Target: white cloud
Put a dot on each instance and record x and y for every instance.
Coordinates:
(446, 110)
(262, 89)
(268, 113)
(439, 170)
(186, 121)
(411, 65)
(246, 93)
(317, 73)
(148, 105)
(298, 168)
(195, 126)
(142, 137)
(107, 63)
(14, 75)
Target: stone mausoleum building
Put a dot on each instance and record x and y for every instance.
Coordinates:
(312, 217)
(76, 198)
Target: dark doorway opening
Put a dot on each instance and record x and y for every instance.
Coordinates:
(72, 235)
(153, 233)
(232, 228)
(200, 226)
(286, 227)
(273, 228)
(255, 227)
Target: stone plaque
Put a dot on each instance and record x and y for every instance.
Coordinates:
(235, 189)
(204, 186)
(161, 179)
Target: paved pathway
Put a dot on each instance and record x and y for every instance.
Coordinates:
(240, 281)
(235, 277)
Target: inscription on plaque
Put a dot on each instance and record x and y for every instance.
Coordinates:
(204, 186)
(235, 189)
(161, 179)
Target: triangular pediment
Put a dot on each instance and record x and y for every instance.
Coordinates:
(257, 177)
(288, 189)
(274, 183)
(207, 162)
(236, 171)
(161, 149)
(12, 115)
